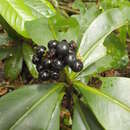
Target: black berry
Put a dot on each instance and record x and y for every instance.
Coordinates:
(40, 50)
(51, 53)
(36, 60)
(39, 68)
(44, 75)
(77, 66)
(46, 63)
(55, 75)
(58, 64)
(59, 54)
(52, 44)
(70, 59)
(62, 48)
(35, 46)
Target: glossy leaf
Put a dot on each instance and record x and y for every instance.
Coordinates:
(71, 30)
(55, 119)
(71, 34)
(83, 118)
(40, 7)
(123, 34)
(4, 39)
(61, 22)
(87, 17)
(110, 104)
(32, 107)
(91, 48)
(78, 4)
(57, 27)
(13, 65)
(28, 55)
(107, 4)
(117, 87)
(39, 30)
(129, 30)
(102, 26)
(15, 12)
(116, 57)
(65, 28)
(11, 32)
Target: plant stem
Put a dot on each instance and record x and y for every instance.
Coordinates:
(69, 9)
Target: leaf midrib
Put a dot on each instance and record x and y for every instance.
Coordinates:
(84, 120)
(57, 103)
(97, 92)
(34, 106)
(82, 116)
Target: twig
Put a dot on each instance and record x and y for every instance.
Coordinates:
(128, 40)
(69, 9)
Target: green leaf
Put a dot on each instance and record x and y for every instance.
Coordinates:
(123, 34)
(107, 4)
(5, 52)
(102, 26)
(40, 7)
(71, 30)
(55, 119)
(83, 118)
(116, 57)
(33, 107)
(13, 65)
(4, 39)
(91, 48)
(28, 55)
(60, 22)
(39, 30)
(110, 104)
(65, 28)
(78, 4)
(15, 12)
(71, 34)
(86, 18)
(11, 32)
(129, 30)
(57, 27)
(117, 87)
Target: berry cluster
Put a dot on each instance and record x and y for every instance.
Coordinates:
(50, 63)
